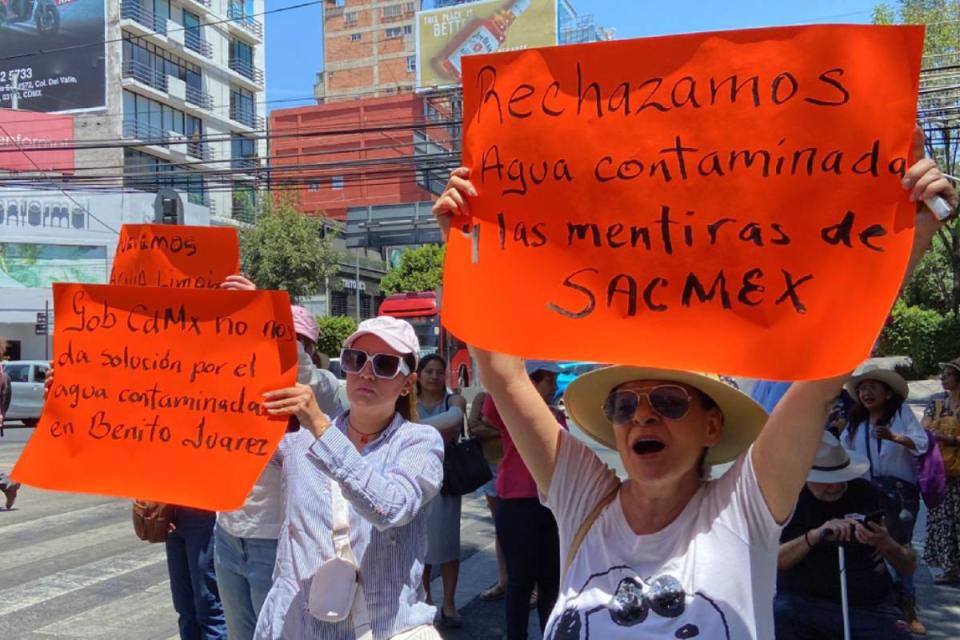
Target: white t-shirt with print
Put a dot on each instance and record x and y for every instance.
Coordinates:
(721, 549)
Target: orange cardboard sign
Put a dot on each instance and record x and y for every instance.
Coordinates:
(158, 396)
(724, 201)
(161, 255)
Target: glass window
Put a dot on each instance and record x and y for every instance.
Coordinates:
(411, 63)
(407, 29)
(356, 37)
(241, 51)
(17, 372)
(336, 183)
(191, 22)
(338, 303)
(392, 11)
(393, 32)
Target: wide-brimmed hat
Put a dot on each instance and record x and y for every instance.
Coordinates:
(887, 376)
(835, 464)
(955, 364)
(397, 333)
(742, 417)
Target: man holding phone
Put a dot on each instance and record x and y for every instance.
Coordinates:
(838, 507)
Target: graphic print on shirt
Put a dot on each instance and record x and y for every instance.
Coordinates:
(639, 609)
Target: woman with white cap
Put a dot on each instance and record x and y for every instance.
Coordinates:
(353, 538)
(942, 417)
(885, 431)
(665, 554)
(245, 540)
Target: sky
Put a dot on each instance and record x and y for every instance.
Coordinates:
(295, 48)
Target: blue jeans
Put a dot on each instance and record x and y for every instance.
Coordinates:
(245, 574)
(193, 582)
(800, 618)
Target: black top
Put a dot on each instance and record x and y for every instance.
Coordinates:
(818, 574)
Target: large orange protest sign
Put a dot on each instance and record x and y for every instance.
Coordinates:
(725, 201)
(158, 396)
(178, 256)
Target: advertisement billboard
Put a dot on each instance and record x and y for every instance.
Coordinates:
(36, 141)
(445, 35)
(53, 55)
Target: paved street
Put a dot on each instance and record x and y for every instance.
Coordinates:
(70, 567)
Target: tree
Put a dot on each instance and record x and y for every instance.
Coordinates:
(333, 331)
(419, 269)
(284, 250)
(940, 118)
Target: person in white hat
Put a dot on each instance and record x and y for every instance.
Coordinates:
(885, 431)
(665, 554)
(354, 490)
(245, 540)
(838, 506)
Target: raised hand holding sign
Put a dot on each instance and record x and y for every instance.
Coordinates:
(722, 196)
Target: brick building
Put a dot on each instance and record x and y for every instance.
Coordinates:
(368, 48)
(373, 157)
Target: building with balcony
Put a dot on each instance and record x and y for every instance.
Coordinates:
(185, 95)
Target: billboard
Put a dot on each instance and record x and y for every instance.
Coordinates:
(53, 55)
(36, 141)
(445, 35)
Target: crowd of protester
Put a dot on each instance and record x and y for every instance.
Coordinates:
(344, 530)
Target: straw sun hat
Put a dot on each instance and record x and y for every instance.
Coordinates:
(742, 417)
(888, 377)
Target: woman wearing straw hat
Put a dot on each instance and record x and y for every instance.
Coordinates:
(665, 554)
(884, 431)
(351, 549)
(942, 417)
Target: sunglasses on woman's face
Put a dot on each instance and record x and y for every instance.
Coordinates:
(668, 400)
(385, 365)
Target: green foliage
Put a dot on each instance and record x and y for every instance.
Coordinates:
(283, 250)
(931, 285)
(333, 331)
(923, 334)
(419, 269)
(936, 283)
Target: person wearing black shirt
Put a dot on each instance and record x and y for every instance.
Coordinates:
(832, 509)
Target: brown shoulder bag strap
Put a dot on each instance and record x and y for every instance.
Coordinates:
(586, 525)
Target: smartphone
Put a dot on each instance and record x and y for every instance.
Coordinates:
(876, 517)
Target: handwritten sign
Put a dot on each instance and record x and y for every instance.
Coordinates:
(160, 255)
(725, 201)
(158, 397)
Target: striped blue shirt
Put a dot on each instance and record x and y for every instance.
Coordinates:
(386, 485)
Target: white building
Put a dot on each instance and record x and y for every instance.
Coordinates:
(188, 77)
(47, 237)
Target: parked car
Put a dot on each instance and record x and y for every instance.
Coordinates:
(27, 378)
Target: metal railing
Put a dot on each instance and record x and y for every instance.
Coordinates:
(134, 129)
(200, 150)
(246, 69)
(237, 14)
(146, 74)
(199, 98)
(194, 40)
(245, 116)
(244, 164)
(133, 10)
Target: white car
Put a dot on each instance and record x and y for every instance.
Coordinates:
(27, 378)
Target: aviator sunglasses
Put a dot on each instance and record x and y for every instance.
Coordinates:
(668, 400)
(385, 365)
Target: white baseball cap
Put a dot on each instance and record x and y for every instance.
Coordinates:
(397, 333)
